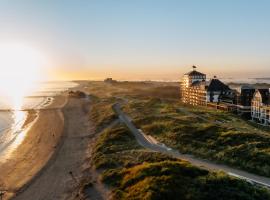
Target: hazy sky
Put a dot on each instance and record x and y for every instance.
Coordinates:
(143, 39)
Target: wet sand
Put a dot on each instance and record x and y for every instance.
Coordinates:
(35, 150)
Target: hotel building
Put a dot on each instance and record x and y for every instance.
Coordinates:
(195, 90)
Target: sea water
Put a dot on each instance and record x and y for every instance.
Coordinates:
(11, 121)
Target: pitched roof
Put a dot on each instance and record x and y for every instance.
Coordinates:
(195, 73)
(217, 85)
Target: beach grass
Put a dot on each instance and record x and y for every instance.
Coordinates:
(207, 133)
(133, 172)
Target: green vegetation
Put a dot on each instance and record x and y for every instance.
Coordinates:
(207, 133)
(104, 95)
(135, 173)
(101, 111)
(118, 148)
(178, 180)
(131, 90)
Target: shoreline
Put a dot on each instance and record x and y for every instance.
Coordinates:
(31, 117)
(43, 130)
(7, 150)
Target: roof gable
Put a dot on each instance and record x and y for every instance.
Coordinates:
(217, 85)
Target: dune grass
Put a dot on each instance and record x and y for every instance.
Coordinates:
(117, 148)
(101, 111)
(135, 173)
(207, 133)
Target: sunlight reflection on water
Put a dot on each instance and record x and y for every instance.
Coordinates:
(14, 135)
(12, 132)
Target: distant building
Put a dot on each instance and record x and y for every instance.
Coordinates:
(110, 80)
(197, 91)
(245, 100)
(260, 108)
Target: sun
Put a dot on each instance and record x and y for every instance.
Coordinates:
(20, 67)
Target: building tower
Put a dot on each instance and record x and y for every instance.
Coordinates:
(188, 80)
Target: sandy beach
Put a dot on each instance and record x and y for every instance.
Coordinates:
(54, 180)
(36, 149)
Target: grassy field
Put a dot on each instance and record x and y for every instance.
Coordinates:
(101, 112)
(135, 173)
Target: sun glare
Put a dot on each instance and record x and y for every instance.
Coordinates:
(21, 66)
